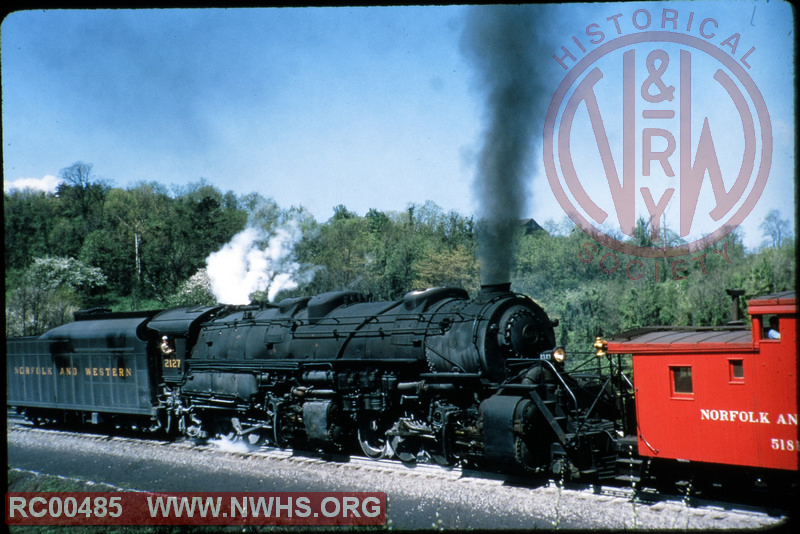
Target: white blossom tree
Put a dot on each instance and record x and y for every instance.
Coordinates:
(195, 290)
(51, 290)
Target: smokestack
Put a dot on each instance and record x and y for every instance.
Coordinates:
(491, 291)
(736, 311)
(504, 45)
(496, 288)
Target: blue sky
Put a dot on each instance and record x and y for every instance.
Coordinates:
(366, 107)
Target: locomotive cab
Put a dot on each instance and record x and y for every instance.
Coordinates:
(171, 335)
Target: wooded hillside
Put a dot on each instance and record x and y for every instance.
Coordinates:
(145, 247)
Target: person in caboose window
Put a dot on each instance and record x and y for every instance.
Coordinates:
(773, 332)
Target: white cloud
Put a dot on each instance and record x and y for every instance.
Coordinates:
(48, 183)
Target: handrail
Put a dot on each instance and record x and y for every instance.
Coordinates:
(569, 389)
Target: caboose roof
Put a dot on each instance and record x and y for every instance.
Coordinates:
(681, 339)
(677, 339)
(783, 302)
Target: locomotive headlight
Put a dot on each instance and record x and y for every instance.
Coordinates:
(560, 355)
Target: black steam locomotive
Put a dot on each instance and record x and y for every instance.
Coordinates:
(433, 375)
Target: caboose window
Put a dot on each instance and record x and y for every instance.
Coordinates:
(681, 380)
(736, 370)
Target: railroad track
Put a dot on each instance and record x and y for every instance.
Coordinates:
(237, 449)
(454, 475)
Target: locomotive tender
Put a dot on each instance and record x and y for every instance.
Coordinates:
(478, 382)
(432, 375)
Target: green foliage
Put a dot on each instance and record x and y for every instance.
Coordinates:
(79, 208)
(389, 254)
(145, 240)
(146, 247)
(596, 291)
(50, 274)
(341, 248)
(29, 218)
(441, 267)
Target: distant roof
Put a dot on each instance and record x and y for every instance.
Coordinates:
(531, 226)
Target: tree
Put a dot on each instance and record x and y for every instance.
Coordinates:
(151, 243)
(29, 217)
(774, 228)
(377, 221)
(442, 267)
(77, 185)
(644, 233)
(109, 249)
(51, 289)
(342, 247)
(394, 246)
(341, 212)
(195, 290)
(81, 198)
(202, 221)
(134, 218)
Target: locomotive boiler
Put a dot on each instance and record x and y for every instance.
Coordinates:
(434, 375)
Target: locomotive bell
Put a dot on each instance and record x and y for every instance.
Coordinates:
(602, 347)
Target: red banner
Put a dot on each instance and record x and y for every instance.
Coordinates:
(194, 508)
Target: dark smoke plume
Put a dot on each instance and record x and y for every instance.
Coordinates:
(505, 46)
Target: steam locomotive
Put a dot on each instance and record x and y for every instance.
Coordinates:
(435, 375)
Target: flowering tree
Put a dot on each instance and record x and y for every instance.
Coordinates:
(51, 290)
(195, 290)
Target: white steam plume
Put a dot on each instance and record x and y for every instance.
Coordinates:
(253, 261)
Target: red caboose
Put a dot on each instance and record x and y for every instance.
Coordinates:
(725, 395)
